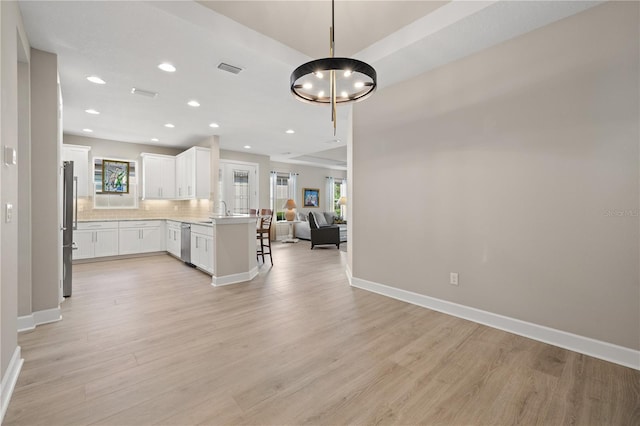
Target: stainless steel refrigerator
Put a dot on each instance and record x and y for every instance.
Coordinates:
(69, 223)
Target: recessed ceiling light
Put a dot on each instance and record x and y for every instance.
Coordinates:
(155, 140)
(96, 79)
(247, 147)
(169, 125)
(290, 131)
(214, 125)
(307, 85)
(359, 84)
(165, 66)
(321, 93)
(344, 94)
(87, 130)
(92, 111)
(319, 74)
(193, 103)
(347, 73)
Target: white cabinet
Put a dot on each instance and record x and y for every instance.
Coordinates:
(174, 242)
(158, 176)
(193, 173)
(80, 156)
(202, 248)
(141, 236)
(95, 239)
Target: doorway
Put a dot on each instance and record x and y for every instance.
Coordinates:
(239, 186)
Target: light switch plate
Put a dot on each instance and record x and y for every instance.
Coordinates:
(8, 212)
(10, 157)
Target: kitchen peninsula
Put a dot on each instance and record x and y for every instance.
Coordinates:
(223, 246)
(234, 254)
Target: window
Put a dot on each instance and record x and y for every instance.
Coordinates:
(103, 200)
(337, 191)
(241, 196)
(283, 187)
(282, 195)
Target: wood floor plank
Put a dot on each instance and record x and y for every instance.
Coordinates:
(150, 341)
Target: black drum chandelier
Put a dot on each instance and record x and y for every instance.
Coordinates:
(333, 80)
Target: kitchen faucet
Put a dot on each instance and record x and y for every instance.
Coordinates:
(226, 212)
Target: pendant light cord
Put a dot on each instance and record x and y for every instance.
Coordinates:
(332, 73)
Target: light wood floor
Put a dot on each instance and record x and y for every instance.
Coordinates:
(150, 341)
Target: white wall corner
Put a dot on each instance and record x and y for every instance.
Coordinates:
(234, 278)
(29, 322)
(9, 381)
(347, 271)
(26, 323)
(573, 342)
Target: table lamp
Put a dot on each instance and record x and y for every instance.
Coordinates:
(342, 201)
(289, 205)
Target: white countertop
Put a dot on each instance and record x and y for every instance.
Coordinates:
(217, 219)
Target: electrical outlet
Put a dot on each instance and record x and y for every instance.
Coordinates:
(453, 278)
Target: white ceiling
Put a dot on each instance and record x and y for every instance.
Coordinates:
(123, 42)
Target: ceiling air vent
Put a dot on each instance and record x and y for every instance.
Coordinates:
(147, 93)
(229, 68)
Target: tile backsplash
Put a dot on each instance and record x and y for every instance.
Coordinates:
(147, 209)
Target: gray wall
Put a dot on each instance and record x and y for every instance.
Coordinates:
(516, 167)
(45, 180)
(24, 190)
(12, 40)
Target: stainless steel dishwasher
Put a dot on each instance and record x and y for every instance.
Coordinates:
(185, 243)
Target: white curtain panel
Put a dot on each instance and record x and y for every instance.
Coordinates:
(273, 194)
(329, 195)
(293, 186)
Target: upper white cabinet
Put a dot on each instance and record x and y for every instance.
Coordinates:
(158, 176)
(80, 156)
(193, 173)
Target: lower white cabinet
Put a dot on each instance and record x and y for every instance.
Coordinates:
(95, 239)
(202, 248)
(174, 238)
(141, 236)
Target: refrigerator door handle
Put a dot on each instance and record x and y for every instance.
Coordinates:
(75, 218)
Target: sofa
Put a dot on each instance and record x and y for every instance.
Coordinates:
(302, 229)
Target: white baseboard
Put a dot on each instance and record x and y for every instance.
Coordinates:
(349, 275)
(29, 322)
(9, 381)
(573, 342)
(234, 278)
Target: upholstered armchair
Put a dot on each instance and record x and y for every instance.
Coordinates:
(321, 232)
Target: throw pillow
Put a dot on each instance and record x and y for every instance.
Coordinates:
(330, 217)
(320, 220)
